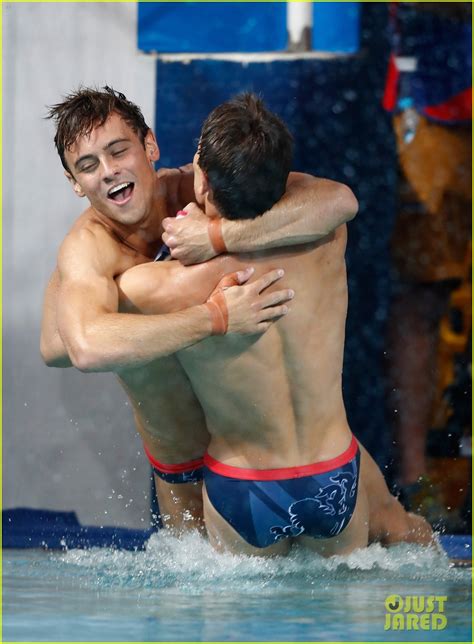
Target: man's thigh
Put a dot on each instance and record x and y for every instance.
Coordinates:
(389, 522)
(180, 505)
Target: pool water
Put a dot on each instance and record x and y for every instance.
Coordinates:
(181, 590)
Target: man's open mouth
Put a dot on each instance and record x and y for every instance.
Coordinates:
(122, 192)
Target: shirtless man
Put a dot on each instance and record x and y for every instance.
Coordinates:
(282, 464)
(108, 152)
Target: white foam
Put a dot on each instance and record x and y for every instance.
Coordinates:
(190, 563)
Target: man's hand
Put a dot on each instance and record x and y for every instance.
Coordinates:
(247, 309)
(188, 237)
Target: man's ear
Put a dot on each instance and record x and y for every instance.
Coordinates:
(201, 182)
(151, 147)
(75, 186)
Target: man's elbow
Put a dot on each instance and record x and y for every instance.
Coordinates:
(85, 359)
(348, 205)
(53, 352)
(49, 359)
(49, 356)
(45, 354)
(89, 356)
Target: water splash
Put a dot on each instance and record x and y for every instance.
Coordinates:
(190, 563)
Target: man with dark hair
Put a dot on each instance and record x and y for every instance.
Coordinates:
(108, 154)
(282, 464)
(86, 109)
(246, 153)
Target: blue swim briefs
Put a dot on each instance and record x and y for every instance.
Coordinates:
(264, 506)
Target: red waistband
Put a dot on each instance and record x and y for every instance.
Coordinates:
(174, 468)
(281, 472)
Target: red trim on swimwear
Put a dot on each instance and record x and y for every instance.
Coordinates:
(175, 468)
(280, 473)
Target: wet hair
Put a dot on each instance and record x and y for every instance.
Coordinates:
(87, 108)
(246, 152)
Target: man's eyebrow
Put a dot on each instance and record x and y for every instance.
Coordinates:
(109, 145)
(92, 157)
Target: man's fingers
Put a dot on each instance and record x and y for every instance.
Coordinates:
(174, 253)
(235, 279)
(273, 312)
(244, 275)
(266, 280)
(277, 297)
(232, 279)
(249, 310)
(192, 207)
(167, 221)
(168, 239)
(263, 327)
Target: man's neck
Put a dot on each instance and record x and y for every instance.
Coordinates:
(145, 237)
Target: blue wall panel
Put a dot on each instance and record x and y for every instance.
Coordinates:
(336, 26)
(179, 27)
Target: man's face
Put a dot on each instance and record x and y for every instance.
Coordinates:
(114, 170)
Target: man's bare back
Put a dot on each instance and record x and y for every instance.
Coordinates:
(278, 396)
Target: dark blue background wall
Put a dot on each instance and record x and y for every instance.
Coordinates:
(341, 132)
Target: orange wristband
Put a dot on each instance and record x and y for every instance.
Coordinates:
(214, 228)
(217, 307)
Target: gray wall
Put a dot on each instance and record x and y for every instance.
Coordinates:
(68, 438)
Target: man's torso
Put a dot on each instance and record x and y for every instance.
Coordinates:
(275, 400)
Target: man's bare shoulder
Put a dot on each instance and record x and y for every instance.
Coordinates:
(91, 245)
(178, 186)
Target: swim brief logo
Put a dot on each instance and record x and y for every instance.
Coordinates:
(330, 500)
(415, 612)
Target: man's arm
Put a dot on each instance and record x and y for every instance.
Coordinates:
(168, 287)
(98, 338)
(95, 335)
(310, 209)
(52, 347)
(140, 289)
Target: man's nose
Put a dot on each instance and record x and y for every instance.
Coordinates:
(110, 170)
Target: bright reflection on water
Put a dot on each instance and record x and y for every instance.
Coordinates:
(181, 590)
